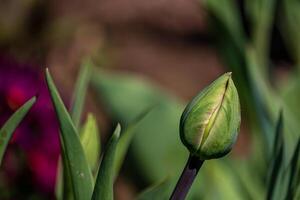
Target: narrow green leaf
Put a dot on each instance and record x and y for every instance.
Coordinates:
(90, 140)
(276, 164)
(226, 12)
(289, 26)
(80, 91)
(126, 138)
(104, 182)
(63, 185)
(278, 140)
(160, 191)
(10, 126)
(74, 157)
(262, 13)
(294, 174)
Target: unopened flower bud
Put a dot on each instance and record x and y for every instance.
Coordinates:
(210, 123)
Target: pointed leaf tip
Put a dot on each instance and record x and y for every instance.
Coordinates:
(73, 153)
(105, 179)
(11, 124)
(117, 131)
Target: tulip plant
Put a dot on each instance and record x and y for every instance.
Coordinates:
(209, 127)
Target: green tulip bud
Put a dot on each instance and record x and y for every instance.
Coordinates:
(210, 123)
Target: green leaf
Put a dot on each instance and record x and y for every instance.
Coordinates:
(105, 179)
(63, 185)
(227, 13)
(90, 140)
(277, 158)
(262, 13)
(10, 126)
(294, 173)
(249, 180)
(219, 182)
(126, 138)
(73, 157)
(157, 139)
(289, 27)
(160, 191)
(80, 92)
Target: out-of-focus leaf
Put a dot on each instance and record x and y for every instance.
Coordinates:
(278, 140)
(12, 123)
(289, 178)
(277, 159)
(289, 24)
(226, 12)
(267, 103)
(90, 140)
(220, 180)
(160, 191)
(289, 91)
(249, 181)
(297, 196)
(126, 138)
(67, 187)
(80, 92)
(261, 14)
(105, 178)
(263, 98)
(74, 157)
(157, 139)
(294, 173)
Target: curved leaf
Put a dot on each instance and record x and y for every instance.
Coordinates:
(90, 140)
(105, 179)
(126, 138)
(160, 191)
(73, 157)
(80, 91)
(10, 126)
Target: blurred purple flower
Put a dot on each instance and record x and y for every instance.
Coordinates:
(37, 136)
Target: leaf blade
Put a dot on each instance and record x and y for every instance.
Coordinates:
(90, 140)
(159, 191)
(126, 138)
(74, 155)
(278, 149)
(11, 124)
(79, 94)
(294, 173)
(104, 182)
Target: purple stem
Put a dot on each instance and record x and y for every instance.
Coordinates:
(187, 177)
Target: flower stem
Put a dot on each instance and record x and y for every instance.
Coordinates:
(187, 177)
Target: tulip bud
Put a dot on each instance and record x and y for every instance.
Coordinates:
(210, 123)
